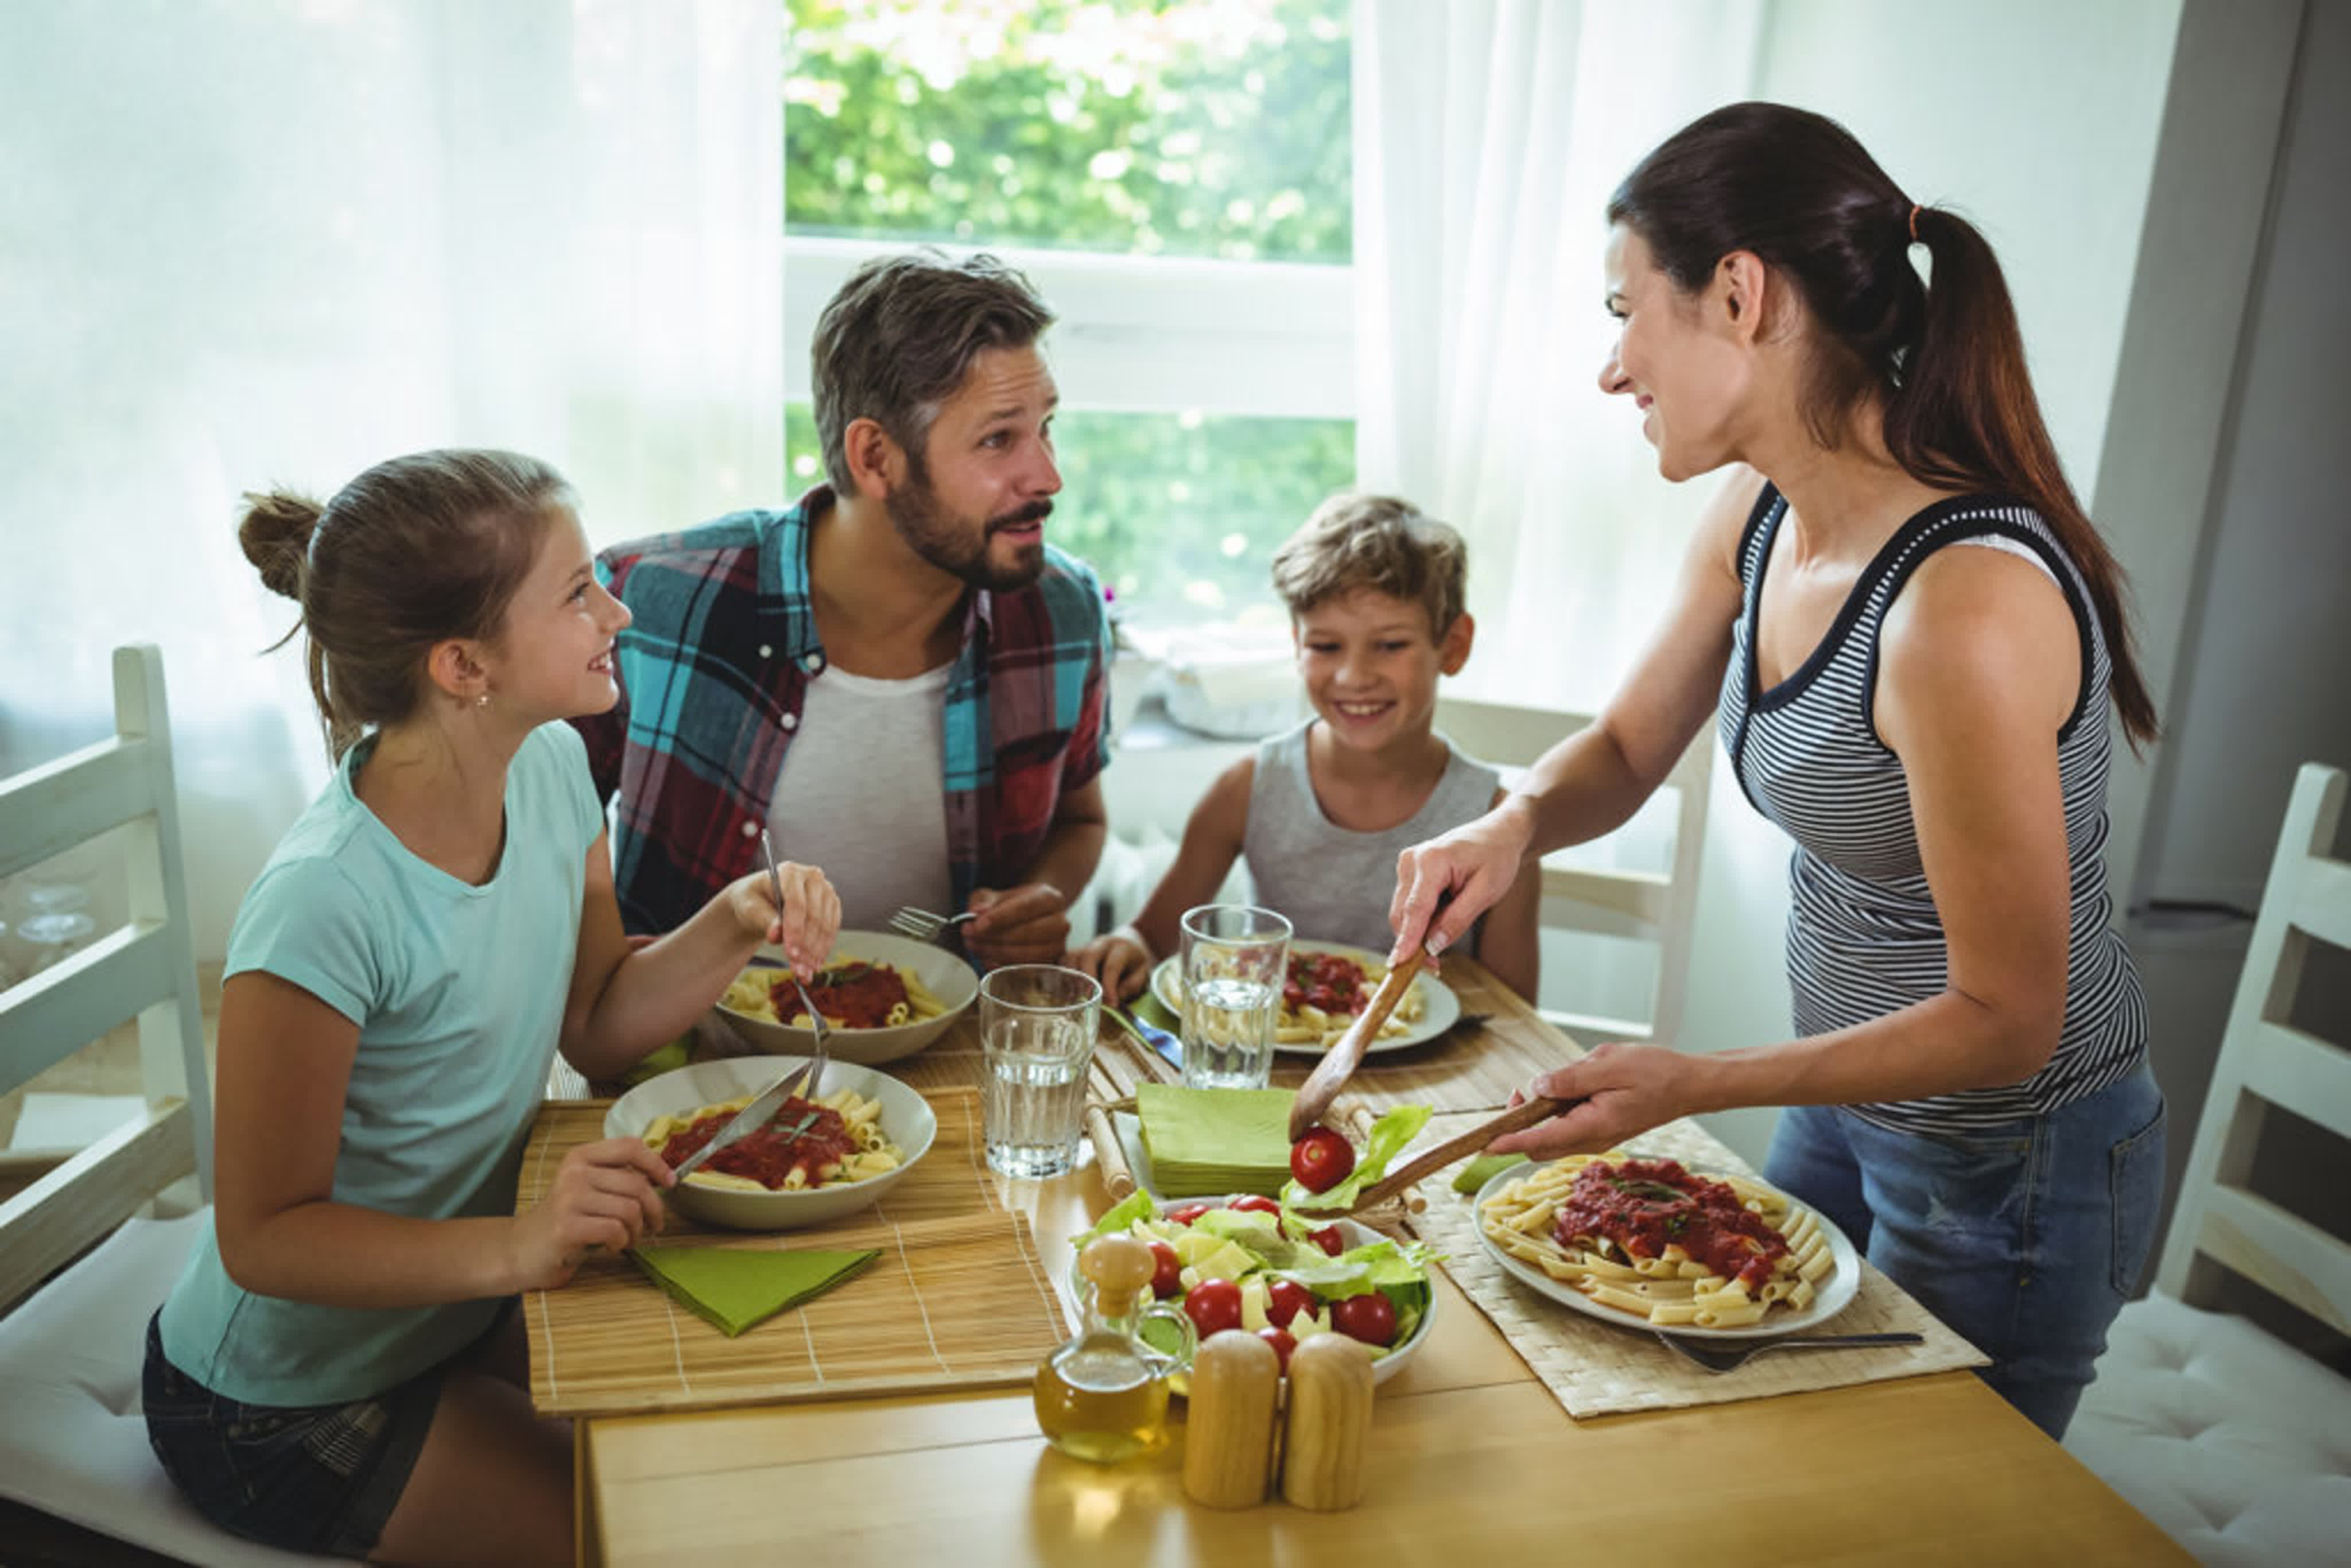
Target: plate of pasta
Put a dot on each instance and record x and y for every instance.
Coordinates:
(1329, 983)
(1651, 1244)
(886, 996)
(815, 1160)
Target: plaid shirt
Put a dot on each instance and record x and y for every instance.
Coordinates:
(714, 672)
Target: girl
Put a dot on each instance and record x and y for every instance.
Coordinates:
(339, 1369)
(1913, 637)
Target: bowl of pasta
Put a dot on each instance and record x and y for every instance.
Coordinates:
(1327, 984)
(886, 996)
(814, 1161)
(1652, 1244)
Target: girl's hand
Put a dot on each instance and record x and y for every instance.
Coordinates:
(1618, 1091)
(605, 1196)
(1475, 864)
(805, 926)
(1119, 961)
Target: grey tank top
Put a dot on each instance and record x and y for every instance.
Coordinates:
(1863, 937)
(1333, 883)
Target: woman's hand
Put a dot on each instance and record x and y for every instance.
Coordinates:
(605, 1195)
(1465, 873)
(1119, 961)
(1618, 1091)
(804, 927)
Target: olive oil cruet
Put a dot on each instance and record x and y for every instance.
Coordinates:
(1102, 1396)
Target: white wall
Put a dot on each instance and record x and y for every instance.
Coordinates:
(2039, 122)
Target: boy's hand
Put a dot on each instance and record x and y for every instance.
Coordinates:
(808, 921)
(605, 1196)
(1025, 925)
(1119, 961)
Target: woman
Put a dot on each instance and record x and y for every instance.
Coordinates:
(1970, 1097)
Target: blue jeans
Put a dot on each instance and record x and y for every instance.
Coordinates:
(2026, 1238)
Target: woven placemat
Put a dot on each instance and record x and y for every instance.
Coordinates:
(959, 1298)
(1596, 1368)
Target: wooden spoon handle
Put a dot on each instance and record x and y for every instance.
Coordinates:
(1452, 1149)
(1339, 1064)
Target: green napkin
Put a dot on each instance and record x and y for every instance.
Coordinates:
(1151, 1010)
(736, 1287)
(1210, 1141)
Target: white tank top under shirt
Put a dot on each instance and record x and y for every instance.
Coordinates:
(1863, 937)
(863, 794)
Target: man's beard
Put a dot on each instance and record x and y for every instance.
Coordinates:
(938, 539)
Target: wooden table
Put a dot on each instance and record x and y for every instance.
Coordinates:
(1468, 1455)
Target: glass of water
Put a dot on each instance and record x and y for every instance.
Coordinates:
(1037, 1026)
(1236, 957)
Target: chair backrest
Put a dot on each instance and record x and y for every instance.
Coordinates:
(2220, 1223)
(1658, 907)
(145, 969)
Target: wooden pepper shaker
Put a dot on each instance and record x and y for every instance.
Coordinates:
(1330, 1413)
(1228, 1435)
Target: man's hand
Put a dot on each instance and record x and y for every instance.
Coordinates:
(1025, 925)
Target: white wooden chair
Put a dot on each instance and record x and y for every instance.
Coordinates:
(1656, 906)
(2236, 1443)
(73, 1439)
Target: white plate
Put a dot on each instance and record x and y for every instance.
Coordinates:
(1440, 1008)
(948, 977)
(1830, 1298)
(907, 1118)
(1357, 1235)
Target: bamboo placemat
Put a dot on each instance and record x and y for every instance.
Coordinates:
(959, 1298)
(1596, 1368)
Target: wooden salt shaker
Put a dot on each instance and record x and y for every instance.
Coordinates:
(1228, 1435)
(1330, 1413)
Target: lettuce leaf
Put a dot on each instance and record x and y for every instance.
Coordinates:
(1119, 1218)
(1387, 1139)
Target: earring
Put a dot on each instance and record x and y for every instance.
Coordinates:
(482, 701)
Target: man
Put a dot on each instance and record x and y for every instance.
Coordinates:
(897, 675)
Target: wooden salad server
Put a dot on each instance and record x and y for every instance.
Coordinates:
(1339, 1063)
(1473, 1141)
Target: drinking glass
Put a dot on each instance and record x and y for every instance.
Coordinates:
(1236, 957)
(1037, 1026)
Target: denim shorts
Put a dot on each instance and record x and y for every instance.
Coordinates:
(321, 1478)
(2026, 1238)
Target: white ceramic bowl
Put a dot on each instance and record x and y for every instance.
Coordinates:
(1356, 1235)
(948, 977)
(907, 1118)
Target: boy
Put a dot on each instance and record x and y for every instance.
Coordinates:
(1375, 593)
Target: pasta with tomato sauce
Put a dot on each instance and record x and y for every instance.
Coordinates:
(1325, 991)
(832, 1139)
(852, 993)
(1671, 1246)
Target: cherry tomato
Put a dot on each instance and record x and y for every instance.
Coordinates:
(1254, 1204)
(1282, 1345)
(1187, 1213)
(1284, 1300)
(1216, 1304)
(1166, 1271)
(1322, 1159)
(1329, 1240)
(1370, 1317)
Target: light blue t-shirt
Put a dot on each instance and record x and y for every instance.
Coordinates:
(458, 992)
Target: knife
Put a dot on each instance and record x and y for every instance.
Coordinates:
(1152, 1035)
(748, 1120)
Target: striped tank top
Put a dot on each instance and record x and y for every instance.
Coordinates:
(1863, 939)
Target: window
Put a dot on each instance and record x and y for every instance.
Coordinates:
(1174, 177)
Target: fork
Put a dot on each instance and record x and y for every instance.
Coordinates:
(925, 927)
(817, 1024)
(1726, 1355)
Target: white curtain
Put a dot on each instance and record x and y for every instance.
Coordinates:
(1488, 134)
(256, 242)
